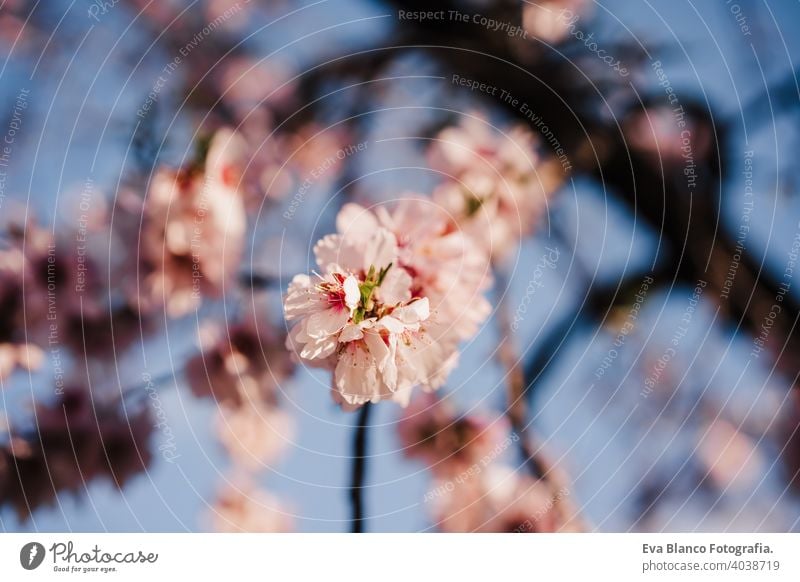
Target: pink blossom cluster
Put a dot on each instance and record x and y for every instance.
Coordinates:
(241, 367)
(503, 500)
(193, 224)
(242, 506)
(497, 182)
(76, 440)
(552, 20)
(55, 290)
(15, 351)
(448, 443)
(396, 292)
(473, 490)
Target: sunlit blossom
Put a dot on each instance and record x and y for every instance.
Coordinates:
(253, 435)
(433, 432)
(496, 182)
(243, 507)
(367, 316)
(193, 230)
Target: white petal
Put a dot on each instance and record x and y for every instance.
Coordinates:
(334, 250)
(396, 286)
(319, 349)
(351, 332)
(414, 312)
(327, 322)
(327, 250)
(384, 356)
(352, 294)
(422, 360)
(392, 325)
(355, 222)
(227, 149)
(356, 375)
(293, 344)
(403, 396)
(303, 298)
(381, 250)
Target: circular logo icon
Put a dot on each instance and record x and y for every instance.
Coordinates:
(31, 555)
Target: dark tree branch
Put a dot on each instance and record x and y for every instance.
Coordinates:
(359, 469)
(258, 281)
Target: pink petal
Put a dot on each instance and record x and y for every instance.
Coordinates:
(384, 356)
(351, 332)
(327, 322)
(392, 325)
(356, 375)
(356, 222)
(302, 298)
(414, 312)
(396, 286)
(381, 250)
(334, 250)
(319, 349)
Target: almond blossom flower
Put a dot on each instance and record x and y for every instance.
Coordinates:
(14, 352)
(76, 440)
(27, 356)
(432, 431)
(253, 435)
(242, 362)
(552, 20)
(385, 358)
(498, 500)
(497, 182)
(242, 507)
(327, 303)
(729, 457)
(193, 232)
(361, 320)
(446, 265)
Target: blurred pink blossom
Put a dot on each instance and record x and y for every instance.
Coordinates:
(75, 440)
(550, 20)
(500, 500)
(242, 507)
(247, 83)
(53, 290)
(730, 458)
(253, 435)
(496, 183)
(27, 356)
(239, 363)
(432, 431)
(193, 230)
(664, 139)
